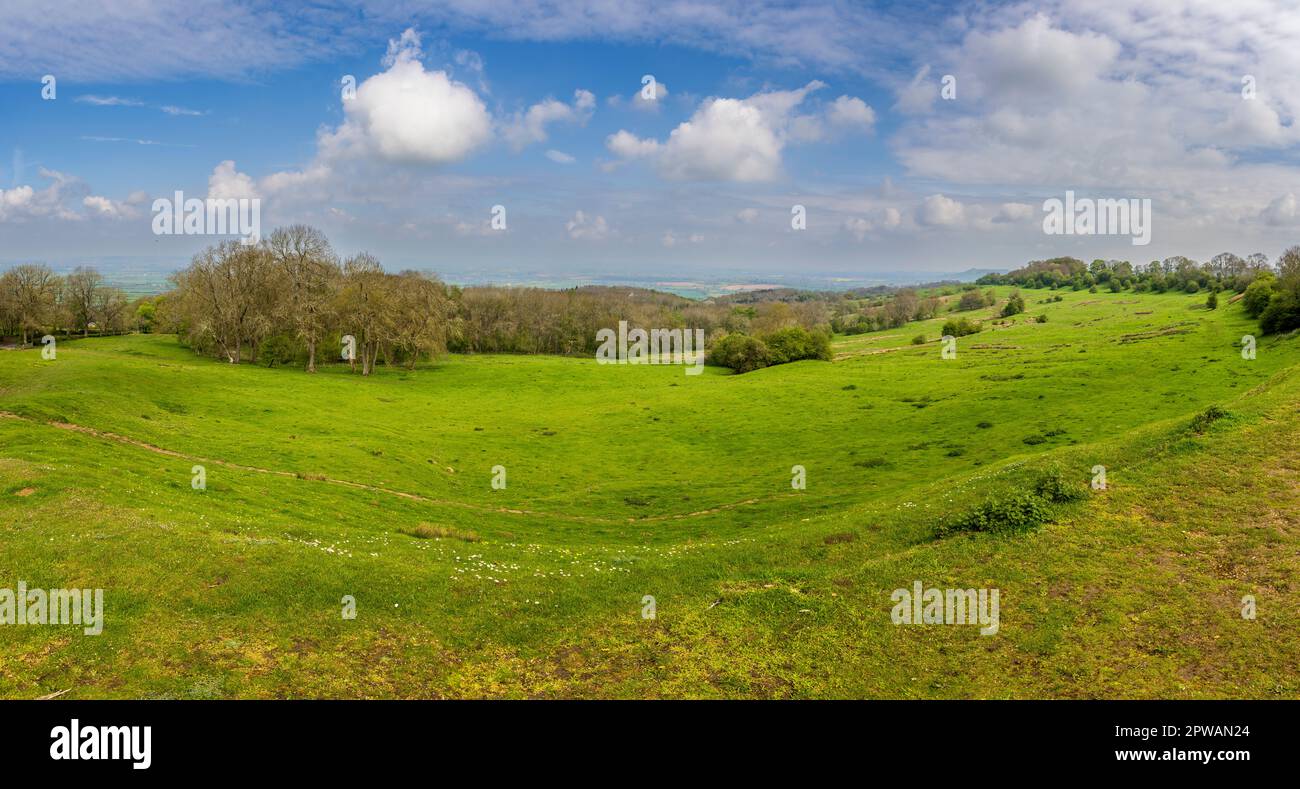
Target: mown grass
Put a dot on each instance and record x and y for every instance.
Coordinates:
(633, 481)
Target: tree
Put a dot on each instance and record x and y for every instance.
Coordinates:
(81, 292)
(226, 298)
(1212, 301)
(1015, 304)
(415, 324)
(310, 270)
(1257, 295)
(971, 300)
(363, 301)
(32, 293)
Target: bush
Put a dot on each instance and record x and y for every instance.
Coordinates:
(970, 300)
(280, 349)
(1055, 486)
(1202, 421)
(1041, 319)
(740, 352)
(918, 339)
(1212, 301)
(1281, 314)
(1013, 513)
(960, 327)
(1257, 295)
(795, 343)
(1015, 304)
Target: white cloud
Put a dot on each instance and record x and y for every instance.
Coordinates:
(586, 227)
(741, 140)
(627, 145)
(530, 126)
(25, 203)
(1013, 212)
(651, 103)
(108, 208)
(747, 215)
(851, 112)
(559, 157)
(226, 182)
(409, 115)
(940, 211)
(109, 101)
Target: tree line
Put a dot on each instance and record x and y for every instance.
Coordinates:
(35, 301)
(290, 300)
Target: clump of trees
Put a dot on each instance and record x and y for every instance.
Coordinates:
(281, 301)
(744, 352)
(960, 327)
(284, 300)
(1275, 300)
(35, 301)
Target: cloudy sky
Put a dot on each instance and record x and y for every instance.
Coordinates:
(541, 107)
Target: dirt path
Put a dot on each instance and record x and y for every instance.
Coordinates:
(121, 439)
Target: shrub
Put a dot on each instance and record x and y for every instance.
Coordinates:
(1257, 295)
(1015, 304)
(1202, 421)
(1041, 319)
(918, 339)
(984, 425)
(1055, 486)
(279, 349)
(425, 531)
(970, 300)
(1034, 439)
(960, 327)
(1281, 314)
(1012, 513)
(1212, 301)
(740, 352)
(795, 343)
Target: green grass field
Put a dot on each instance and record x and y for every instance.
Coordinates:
(627, 481)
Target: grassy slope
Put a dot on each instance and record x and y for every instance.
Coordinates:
(234, 591)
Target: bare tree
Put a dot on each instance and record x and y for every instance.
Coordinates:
(363, 300)
(81, 289)
(32, 292)
(310, 270)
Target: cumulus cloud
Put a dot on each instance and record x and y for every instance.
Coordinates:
(108, 208)
(1013, 212)
(886, 218)
(559, 157)
(26, 202)
(850, 112)
(530, 126)
(940, 211)
(740, 140)
(587, 227)
(627, 145)
(226, 183)
(409, 115)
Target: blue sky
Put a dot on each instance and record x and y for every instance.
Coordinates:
(536, 106)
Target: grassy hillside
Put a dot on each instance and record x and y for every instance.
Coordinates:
(636, 480)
